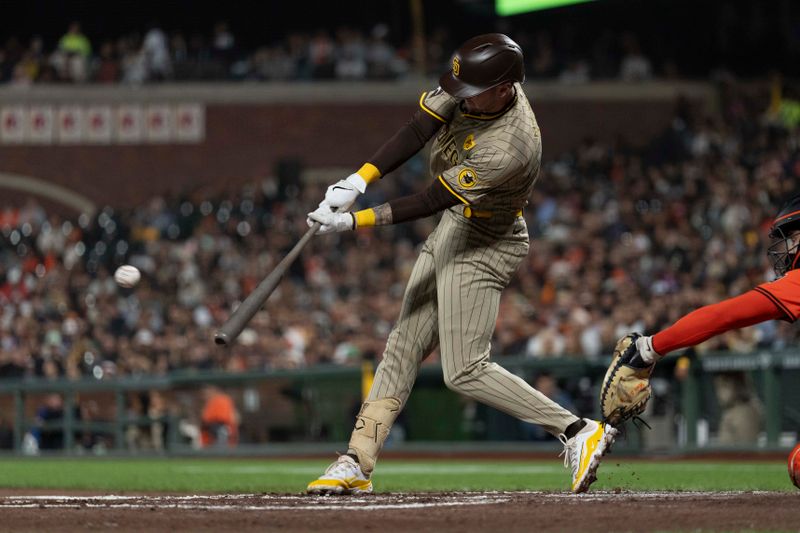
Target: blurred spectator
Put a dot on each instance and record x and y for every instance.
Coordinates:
(155, 54)
(75, 42)
(13, 361)
(107, 69)
(635, 66)
(741, 419)
(148, 412)
(380, 56)
(272, 63)
(87, 437)
(179, 48)
(71, 59)
(31, 64)
(220, 419)
(576, 72)
(223, 46)
(51, 411)
(546, 342)
(322, 55)
(543, 63)
(10, 55)
(439, 46)
(350, 55)
(132, 59)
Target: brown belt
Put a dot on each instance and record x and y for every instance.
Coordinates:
(474, 213)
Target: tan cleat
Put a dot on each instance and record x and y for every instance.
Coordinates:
(342, 477)
(582, 453)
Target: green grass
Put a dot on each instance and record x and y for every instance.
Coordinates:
(291, 475)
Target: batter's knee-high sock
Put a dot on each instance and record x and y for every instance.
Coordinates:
(574, 428)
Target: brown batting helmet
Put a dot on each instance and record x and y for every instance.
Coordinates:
(481, 63)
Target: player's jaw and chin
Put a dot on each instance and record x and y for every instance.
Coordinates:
(491, 100)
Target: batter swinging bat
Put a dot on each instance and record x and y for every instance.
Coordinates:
(250, 306)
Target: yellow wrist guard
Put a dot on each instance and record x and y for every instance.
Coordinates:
(369, 172)
(364, 218)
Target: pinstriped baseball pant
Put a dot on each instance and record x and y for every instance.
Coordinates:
(452, 299)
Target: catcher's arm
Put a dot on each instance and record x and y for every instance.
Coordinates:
(626, 386)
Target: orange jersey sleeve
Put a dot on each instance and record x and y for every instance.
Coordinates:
(701, 324)
(784, 293)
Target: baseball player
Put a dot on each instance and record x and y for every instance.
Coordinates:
(779, 299)
(484, 161)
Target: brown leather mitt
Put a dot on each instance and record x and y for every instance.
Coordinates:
(626, 387)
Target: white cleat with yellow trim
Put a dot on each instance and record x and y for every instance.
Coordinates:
(344, 476)
(582, 453)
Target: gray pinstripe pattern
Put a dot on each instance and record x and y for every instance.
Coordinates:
(414, 336)
(453, 295)
(452, 298)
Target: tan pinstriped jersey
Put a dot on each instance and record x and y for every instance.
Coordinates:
(490, 162)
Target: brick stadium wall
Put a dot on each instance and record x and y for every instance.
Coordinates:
(244, 141)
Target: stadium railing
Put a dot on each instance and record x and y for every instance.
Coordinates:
(323, 401)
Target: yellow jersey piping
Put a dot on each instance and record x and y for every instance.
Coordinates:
(428, 110)
(454, 193)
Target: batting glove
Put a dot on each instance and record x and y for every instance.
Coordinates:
(331, 222)
(343, 193)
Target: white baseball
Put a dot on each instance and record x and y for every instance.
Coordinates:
(127, 276)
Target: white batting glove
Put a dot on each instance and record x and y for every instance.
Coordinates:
(343, 193)
(331, 222)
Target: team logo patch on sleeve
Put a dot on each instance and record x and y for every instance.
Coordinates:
(467, 178)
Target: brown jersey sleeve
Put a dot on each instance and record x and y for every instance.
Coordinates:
(422, 204)
(406, 142)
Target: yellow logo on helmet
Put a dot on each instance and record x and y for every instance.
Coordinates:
(469, 142)
(456, 66)
(467, 178)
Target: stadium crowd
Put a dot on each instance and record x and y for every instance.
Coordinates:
(623, 240)
(345, 54)
(590, 42)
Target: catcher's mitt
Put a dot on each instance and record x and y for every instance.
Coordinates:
(626, 387)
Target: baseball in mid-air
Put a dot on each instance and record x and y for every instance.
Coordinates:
(127, 276)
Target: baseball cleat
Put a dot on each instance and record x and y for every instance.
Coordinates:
(582, 453)
(344, 476)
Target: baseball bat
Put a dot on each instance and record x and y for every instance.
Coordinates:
(232, 327)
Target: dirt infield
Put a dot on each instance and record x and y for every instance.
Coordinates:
(441, 512)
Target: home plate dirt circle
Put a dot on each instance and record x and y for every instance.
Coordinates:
(417, 512)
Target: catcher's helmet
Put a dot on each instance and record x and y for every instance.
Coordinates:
(783, 253)
(481, 63)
